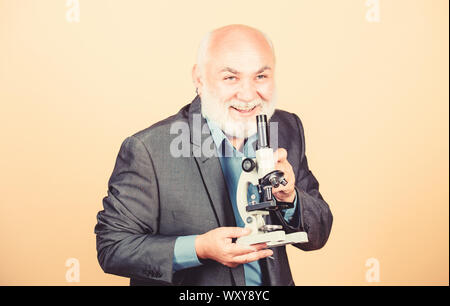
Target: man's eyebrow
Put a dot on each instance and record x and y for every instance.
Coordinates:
(228, 69)
(263, 69)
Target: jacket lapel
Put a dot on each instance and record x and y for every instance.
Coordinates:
(209, 166)
(212, 175)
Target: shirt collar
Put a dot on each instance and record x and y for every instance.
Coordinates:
(220, 139)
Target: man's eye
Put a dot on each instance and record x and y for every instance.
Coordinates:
(230, 78)
(261, 76)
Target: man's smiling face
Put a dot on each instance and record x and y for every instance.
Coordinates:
(236, 79)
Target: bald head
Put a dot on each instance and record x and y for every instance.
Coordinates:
(234, 38)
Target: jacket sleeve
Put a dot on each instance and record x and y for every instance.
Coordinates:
(128, 243)
(314, 213)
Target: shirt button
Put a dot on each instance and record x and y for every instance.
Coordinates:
(253, 197)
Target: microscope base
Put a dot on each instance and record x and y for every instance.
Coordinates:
(261, 238)
(274, 239)
(297, 237)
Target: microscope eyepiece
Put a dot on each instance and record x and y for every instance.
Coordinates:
(263, 131)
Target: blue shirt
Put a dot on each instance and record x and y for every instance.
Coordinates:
(230, 161)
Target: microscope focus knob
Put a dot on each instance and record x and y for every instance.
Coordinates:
(274, 178)
(248, 165)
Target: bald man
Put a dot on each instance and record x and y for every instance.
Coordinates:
(171, 217)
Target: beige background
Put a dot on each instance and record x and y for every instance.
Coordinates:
(373, 98)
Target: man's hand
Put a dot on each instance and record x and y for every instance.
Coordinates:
(284, 193)
(217, 245)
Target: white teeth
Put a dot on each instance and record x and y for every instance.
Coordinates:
(244, 106)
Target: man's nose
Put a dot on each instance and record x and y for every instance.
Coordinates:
(247, 91)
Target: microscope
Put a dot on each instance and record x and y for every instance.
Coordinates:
(261, 173)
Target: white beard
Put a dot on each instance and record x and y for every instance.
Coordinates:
(219, 113)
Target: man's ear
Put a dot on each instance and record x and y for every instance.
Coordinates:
(197, 79)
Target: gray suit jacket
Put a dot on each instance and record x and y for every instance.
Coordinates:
(154, 197)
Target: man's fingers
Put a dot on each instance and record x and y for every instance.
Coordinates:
(243, 259)
(235, 232)
(238, 249)
(259, 246)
